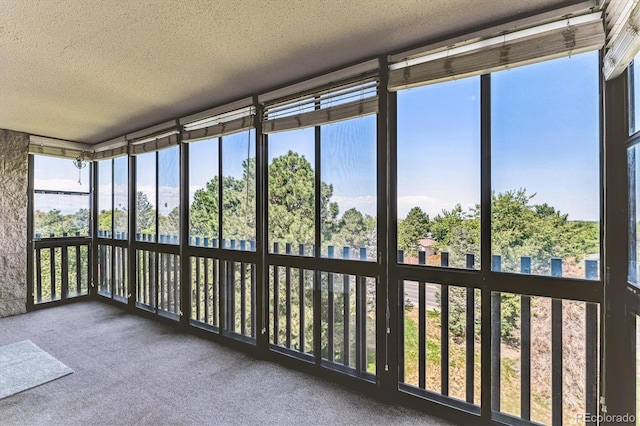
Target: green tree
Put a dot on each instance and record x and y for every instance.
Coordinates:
(145, 214)
(352, 230)
(411, 230)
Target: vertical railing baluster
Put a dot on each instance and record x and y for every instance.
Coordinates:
(301, 303)
(330, 311)
(222, 295)
(215, 292)
(101, 268)
(525, 357)
(470, 335)
(444, 259)
(444, 339)
(153, 279)
(243, 298)
(400, 256)
(496, 337)
(52, 255)
(78, 272)
(125, 272)
(145, 276)
(118, 270)
(591, 344)
(176, 284)
(276, 297)
(422, 335)
(162, 281)
(252, 246)
(361, 319)
(287, 284)
(231, 295)
(199, 290)
(38, 275)
(64, 271)
(207, 280)
(346, 305)
(556, 349)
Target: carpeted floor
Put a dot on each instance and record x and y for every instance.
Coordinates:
(130, 370)
(23, 365)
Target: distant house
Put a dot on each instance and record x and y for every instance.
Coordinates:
(427, 245)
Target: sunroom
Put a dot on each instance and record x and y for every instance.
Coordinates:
(442, 219)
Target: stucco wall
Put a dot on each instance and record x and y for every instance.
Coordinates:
(13, 222)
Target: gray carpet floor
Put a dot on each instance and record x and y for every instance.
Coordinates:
(130, 370)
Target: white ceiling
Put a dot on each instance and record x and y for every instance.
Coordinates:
(89, 70)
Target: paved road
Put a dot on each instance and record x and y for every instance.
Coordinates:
(411, 293)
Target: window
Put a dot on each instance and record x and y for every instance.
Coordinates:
(348, 189)
(291, 199)
(231, 160)
(239, 191)
(113, 198)
(61, 198)
(203, 193)
(146, 197)
(545, 168)
(439, 174)
(169, 195)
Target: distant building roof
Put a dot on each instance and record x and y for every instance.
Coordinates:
(426, 242)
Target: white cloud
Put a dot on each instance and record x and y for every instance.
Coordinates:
(431, 205)
(366, 204)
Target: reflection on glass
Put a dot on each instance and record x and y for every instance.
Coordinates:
(121, 197)
(105, 193)
(146, 197)
(169, 195)
(545, 168)
(60, 215)
(203, 193)
(239, 191)
(60, 174)
(439, 174)
(634, 96)
(348, 225)
(291, 192)
(633, 173)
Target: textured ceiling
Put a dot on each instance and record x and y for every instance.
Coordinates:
(88, 70)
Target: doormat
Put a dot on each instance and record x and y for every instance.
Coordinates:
(23, 366)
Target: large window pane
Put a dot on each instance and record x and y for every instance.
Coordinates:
(291, 199)
(105, 200)
(59, 215)
(239, 191)
(121, 197)
(203, 192)
(169, 195)
(60, 174)
(545, 168)
(439, 174)
(61, 199)
(146, 197)
(348, 224)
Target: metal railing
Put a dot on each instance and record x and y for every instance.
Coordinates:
(62, 269)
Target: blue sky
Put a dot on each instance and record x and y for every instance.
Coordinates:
(544, 138)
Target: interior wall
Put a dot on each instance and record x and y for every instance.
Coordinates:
(13, 222)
